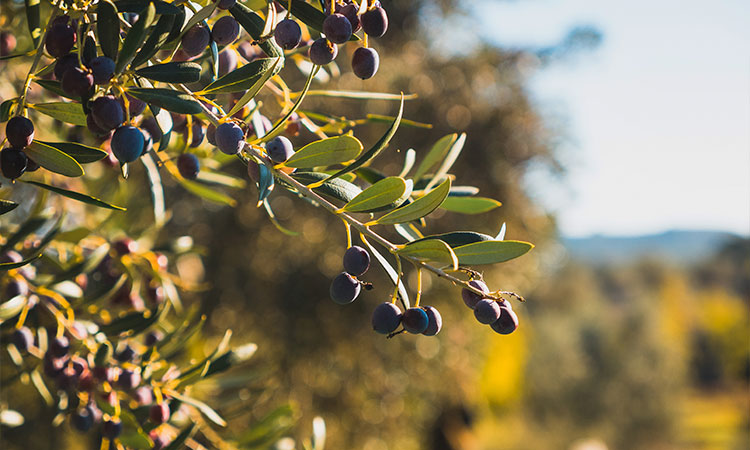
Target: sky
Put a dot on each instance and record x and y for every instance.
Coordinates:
(657, 117)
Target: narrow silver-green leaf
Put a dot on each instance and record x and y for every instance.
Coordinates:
(392, 274)
(337, 188)
(265, 184)
(5, 109)
(53, 159)
(77, 196)
(168, 99)
(491, 252)
(419, 207)
(206, 410)
(255, 88)
(12, 307)
(254, 24)
(207, 193)
(242, 78)
(67, 112)
(16, 265)
(176, 444)
(387, 193)
(7, 206)
(33, 19)
(172, 72)
(431, 250)
(159, 35)
(81, 153)
(459, 238)
(108, 28)
(135, 38)
(377, 148)
(359, 95)
(436, 154)
(470, 205)
(326, 152)
(278, 127)
(448, 161)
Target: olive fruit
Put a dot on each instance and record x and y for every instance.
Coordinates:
(127, 143)
(344, 289)
(279, 149)
(470, 297)
(22, 338)
(507, 322)
(61, 37)
(103, 68)
(195, 40)
(434, 321)
(225, 30)
(386, 318)
(20, 132)
(415, 320)
(59, 346)
(374, 22)
(159, 413)
(322, 52)
(77, 82)
(111, 428)
(287, 34)
(487, 311)
(337, 28)
(13, 162)
(107, 112)
(229, 138)
(188, 166)
(365, 62)
(356, 260)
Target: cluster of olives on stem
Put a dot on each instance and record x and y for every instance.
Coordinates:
(346, 286)
(338, 28)
(499, 315)
(97, 376)
(19, 132)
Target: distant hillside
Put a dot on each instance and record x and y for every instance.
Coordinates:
(681, 247)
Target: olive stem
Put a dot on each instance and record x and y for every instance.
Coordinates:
(37, 58)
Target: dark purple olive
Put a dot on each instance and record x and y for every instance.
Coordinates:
(188, 166)
(61, 37)
(470, 297)
(356, 260)
(507, 322)
(344, 289)
(229, 138)
(374, 22)
(159, 413)
(65, 63)
(337, 28)
(127, 143)
(225, 30)
(434, 321)
(20, 132)
(487, 311)
(322, 52)
(107, 112)
(103, 68)
(13, 162)
(350, 12)
(279, 149)
(195, 40)
(415, 320)
(287, 34)
(365, 62)
(77, 82)
(386, 318)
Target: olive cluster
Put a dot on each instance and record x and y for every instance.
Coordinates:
(338, 28)
(345, 288)
(101, 380)
(19, 132)
(498, 315)
(97, 375)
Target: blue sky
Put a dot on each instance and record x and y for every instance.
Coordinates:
(658, 117)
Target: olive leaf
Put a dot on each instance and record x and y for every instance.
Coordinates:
(108, 28)
(326, 152)
(386, 194)
(419, 207)
(491, 252)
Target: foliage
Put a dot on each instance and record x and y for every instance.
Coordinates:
(70, 273)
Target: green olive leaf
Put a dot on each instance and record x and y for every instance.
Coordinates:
(254, 24)
(67, 112)
(326, 152)
(243, 78)
(419, 207)
(172, 72)
(491, 252)
(392, 275)
(33, 19)
(81, 153)
(436, 154)
(459, 238)
(135, 38)
(77, 196)
(470, 205)
(386, 194)
(157, 37)
(53, 159)
(108, 28)
(431, 250)
(337, 188)
(168, 99)
(7, 206)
